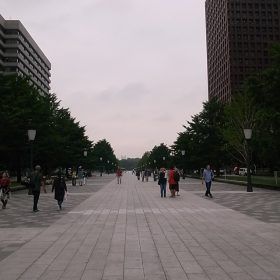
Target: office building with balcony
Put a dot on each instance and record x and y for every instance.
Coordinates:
(19, 54)
(239, 35)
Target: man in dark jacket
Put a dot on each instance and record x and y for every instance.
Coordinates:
(36, 182)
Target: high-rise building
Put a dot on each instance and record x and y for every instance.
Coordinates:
(20, 54)
(239, 36)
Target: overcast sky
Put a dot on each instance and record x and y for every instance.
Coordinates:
(131, 71)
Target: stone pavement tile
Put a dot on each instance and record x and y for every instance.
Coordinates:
(155, 277)
(92, 275)
(175, 274)
(206, 261)
(185, 256)
(191, 267)
(257, 273)
(170, 262)
(112, 277)
(216, 273)
(240, 276)
(115, 257)
(153, 268)
(229, 266)
(74, 270)
(133, 260)
(268, 266)
(197, 276)
(51, 275)
(113, 269)
(34, 271)
(135, 274)
(197, 251)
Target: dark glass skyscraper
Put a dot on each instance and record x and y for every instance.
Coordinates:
(239, 35)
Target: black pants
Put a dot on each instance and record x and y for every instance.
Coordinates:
(36, 198)
(208, 188)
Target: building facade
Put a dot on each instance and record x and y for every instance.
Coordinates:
(239, 35)
(20, 54)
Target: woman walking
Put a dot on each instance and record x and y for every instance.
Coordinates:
(5, 189)
(59, 188)
(172, 182)
(162, 182)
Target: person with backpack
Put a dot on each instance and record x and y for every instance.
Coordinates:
(162, 180)
(208, 177)
(177, 179)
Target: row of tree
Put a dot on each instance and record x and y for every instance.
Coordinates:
(60, 139)
(215, 135)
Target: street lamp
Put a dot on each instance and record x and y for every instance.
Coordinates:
(101, 167)
(31, 137)
(248, 136)
(163, 158)
(85, 153)
(183, 152)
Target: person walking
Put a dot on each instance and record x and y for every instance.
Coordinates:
(59, 187)
(177, 179)
(208, 177)
(162, 180)
(36, 182)
(5, 189)
(138, 174)
(172, 182)
(119, 175)
(80, 175)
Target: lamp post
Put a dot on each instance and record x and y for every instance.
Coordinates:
(108, 162)
(101, 167)
(31, 137)
(248, 136)
(183, 152)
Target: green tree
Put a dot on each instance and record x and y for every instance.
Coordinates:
(203, 139)
(103, 156)
(60, 140)
(160, 156)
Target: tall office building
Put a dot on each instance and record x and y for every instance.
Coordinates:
(239, 35)
(20, 54)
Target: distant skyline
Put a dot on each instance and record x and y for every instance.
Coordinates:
(132, 71)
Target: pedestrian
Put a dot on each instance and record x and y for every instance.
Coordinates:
(85, 177)
(5, 189)
(162, 180)
(119, 175)
(172, 182)
(208, 177)
(80, 175)
(146, 174)
(59, 187)
(74, 178)
(143, 175)
(177, 179)
(36, 182)
(138, 174)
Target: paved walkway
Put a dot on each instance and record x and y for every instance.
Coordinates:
(128, 232)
